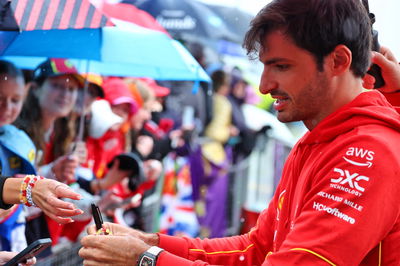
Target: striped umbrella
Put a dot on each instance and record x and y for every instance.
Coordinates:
(26, 15)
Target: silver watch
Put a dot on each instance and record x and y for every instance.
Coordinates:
(149, 257)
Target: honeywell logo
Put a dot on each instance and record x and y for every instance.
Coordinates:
(359, 157)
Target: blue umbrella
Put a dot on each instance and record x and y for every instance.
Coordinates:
(124, 50)
(83, 34)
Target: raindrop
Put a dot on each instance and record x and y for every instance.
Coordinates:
(242, 220)
(241, 258)
(5, 78)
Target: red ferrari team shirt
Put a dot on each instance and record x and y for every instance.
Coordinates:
(337, 203)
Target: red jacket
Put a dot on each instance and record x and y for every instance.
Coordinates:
(337, 203)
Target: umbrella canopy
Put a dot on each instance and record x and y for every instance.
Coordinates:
(128, 12)
(188, 17)
(49, 14)
(237, 20)
(48, 27)
(127, 50)
(147, 53)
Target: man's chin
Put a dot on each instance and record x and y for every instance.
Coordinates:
(284, 118)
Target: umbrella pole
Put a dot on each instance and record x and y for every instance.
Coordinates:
(82, 117)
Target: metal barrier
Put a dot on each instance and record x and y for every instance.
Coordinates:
(67, 255)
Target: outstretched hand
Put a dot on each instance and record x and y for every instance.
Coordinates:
(46, 195)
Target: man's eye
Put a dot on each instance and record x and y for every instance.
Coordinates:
(282, 66)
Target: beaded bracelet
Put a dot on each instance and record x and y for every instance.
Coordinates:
(26, 189)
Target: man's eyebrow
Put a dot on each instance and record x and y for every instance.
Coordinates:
(274, 60)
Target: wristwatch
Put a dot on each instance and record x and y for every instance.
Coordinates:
(149, 257)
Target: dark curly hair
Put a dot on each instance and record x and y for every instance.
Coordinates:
(316, 26)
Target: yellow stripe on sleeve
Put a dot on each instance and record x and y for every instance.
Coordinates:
(380, 254)
(223, 252)
(315, 254)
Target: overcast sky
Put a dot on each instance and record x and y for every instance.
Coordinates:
(387, 14)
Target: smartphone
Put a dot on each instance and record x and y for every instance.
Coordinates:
(30, 251)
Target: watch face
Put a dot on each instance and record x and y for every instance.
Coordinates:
(146, 261)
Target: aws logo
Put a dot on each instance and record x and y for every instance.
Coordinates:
(359, 157)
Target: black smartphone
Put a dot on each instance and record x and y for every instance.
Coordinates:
(30, 251)
(98, 220)
(374, 69)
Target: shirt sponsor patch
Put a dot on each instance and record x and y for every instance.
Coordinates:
(330, 196)
(352, 183)
(341, 200)
(333, 211)
(359, 156)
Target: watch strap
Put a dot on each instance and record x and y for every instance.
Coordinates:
(149, 257)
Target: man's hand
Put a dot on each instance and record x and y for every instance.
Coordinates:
(111, 249)
(116, 229)
(390, 71)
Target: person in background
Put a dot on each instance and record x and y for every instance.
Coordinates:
(244, 143)
(46, 118)
(335, 179)
(17, 152)
(86, 147)
(115, 140)
(195, 94)
(141, 147)
(211, 189)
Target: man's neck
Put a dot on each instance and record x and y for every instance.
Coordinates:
(344, 89)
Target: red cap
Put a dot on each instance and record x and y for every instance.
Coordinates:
(117, 92)
(158, 90)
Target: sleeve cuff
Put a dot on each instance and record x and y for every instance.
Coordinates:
(167, 259)
(175, 245)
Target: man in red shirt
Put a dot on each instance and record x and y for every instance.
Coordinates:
(337, 202)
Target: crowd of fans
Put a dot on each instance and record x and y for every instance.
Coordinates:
(110, 139)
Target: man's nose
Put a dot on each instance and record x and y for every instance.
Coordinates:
(267, 83)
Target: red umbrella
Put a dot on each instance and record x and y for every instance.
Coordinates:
(53, 14)
(128, 12)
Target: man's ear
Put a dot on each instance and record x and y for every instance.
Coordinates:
(340, 59)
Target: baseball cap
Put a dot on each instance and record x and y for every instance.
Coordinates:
(57, 67)
(117, 92)
(158, 90)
